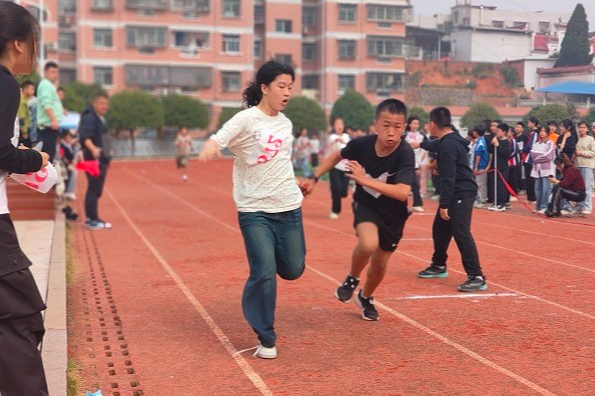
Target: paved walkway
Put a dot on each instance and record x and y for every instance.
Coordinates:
(43, 241)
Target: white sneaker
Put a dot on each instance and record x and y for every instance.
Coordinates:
(542, 211)
(333, 216)
(479, 205)
(565, 213)
(70, 196)
(587, 212)
(184, 177)
(265, 353)
(513, 199)
(418, 209)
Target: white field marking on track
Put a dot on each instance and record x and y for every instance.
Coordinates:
(252, 375)
(398, 251)
(423, 328)
(455, 296)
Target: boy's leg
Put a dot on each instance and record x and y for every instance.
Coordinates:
(260, 292)
(344, 184)
(335, 181)
(415, 188)
(290, 244)
(460, 212)
(367, 244)
(441, 235)
(376, 272)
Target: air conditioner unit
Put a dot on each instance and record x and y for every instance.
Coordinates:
(51, 46)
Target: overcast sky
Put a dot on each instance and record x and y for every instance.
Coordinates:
(431, 7)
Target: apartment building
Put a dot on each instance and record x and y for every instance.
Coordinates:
(210, 49)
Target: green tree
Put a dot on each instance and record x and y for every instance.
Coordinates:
(477, 113)
(355, 110)
(510, 76)
(181, 110)
(550, 112)
(420, 113)
(78, 96)
(226, 114)
(133, 109)
(305, 113)
(33, 77)
(590, 118)
(575, 49)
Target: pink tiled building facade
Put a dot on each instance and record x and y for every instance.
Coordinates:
(209, 49)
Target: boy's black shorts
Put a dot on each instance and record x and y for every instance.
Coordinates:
(390, 228)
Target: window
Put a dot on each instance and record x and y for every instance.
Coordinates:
(66, 7)
(519, 25)
(231, 43)
(308, 51)
(191, 5)
(67, 76)
(154, 76)
(347, 49)
(146, 37)
(231, 8)
(102, 38)
(258, 48)
(383, 82)
(147, 4)
(103, 75)
(348, 13)
(283, 25)
(102, 5)
(310, 81)
(67, 41)
(498, 24)
(230, 81)
(283, 58)
(346, 81)
(382, 13)
(544, 27)
(385, 46)
(258, 14)
(308, 16)
(191, 41)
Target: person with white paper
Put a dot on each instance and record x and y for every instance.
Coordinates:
(21, 323)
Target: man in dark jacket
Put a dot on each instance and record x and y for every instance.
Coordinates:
(459, 191)
(95, 142)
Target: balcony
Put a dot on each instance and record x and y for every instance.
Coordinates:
(191, 6)
(156, 5)
(102, 5)
(66, 21)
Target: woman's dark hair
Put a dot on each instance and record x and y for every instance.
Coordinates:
(553, 122)
(265, 75)
(409, 121)
(569, 125)
(16, 23)
(534, 120)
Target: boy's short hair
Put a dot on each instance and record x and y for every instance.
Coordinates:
(534, 120)
(392, 106)
(50, 65)
(503, 127)
(100, 94)
(552, 122)
(480, 129)
(521, 124)
(182, 127)
(27, 83)
(441, 117)
(497, 121)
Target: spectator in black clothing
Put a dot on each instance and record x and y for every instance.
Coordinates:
(571, 187)
(513, 163)
(568, 139)
(521, 140)
(21, 323)
(459, 190)
(533, 137)
(499, 147)
(95, 143)
(67, 158)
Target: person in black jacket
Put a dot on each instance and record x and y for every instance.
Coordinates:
(500, 149)
(459, 191)
(21, 323)
(95, 143)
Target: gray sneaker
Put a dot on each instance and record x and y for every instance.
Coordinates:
(473, 283)
(434, 271)
(98, 225)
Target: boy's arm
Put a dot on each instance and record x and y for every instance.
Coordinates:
(399, 191)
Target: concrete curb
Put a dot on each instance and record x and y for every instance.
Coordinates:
(55, 344)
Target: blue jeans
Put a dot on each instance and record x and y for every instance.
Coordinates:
(275, 245)
(543, 189)
(304, 165)
(587, 174)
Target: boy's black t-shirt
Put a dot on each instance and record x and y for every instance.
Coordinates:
(396, 168)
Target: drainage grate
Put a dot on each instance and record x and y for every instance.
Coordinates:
(105, 339)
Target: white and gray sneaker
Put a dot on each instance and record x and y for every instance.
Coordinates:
(265, 353)
(98, 225)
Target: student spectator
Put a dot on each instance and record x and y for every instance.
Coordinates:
(514, 165)
(27, 92)
(499, 147)
(543, 154)
(302, 153)
(552, 126)
(339, 182)
(481, 158)
(521, 140)
(533, 137)
(413, 134)
(568, 139)
(571, 187)
(314, 150)
(585, 162)
(49, 109)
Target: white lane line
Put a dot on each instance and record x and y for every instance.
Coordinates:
(416, 324)
(223, 339)
(454, 296)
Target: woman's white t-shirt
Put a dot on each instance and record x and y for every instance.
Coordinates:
(263, 177)
(336, 143)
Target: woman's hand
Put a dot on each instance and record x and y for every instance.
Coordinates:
(209, 151)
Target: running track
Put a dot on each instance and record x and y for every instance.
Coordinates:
(155, 302)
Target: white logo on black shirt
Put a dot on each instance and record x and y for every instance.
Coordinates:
(382, 178)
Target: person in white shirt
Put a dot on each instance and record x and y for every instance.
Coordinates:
(337, 141)
(413, 134)
(302, 153)
(267, 195)
(314, 150)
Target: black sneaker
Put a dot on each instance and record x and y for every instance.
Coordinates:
(474, 283)
(434, 271)
(367, 305)
(345, 292)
